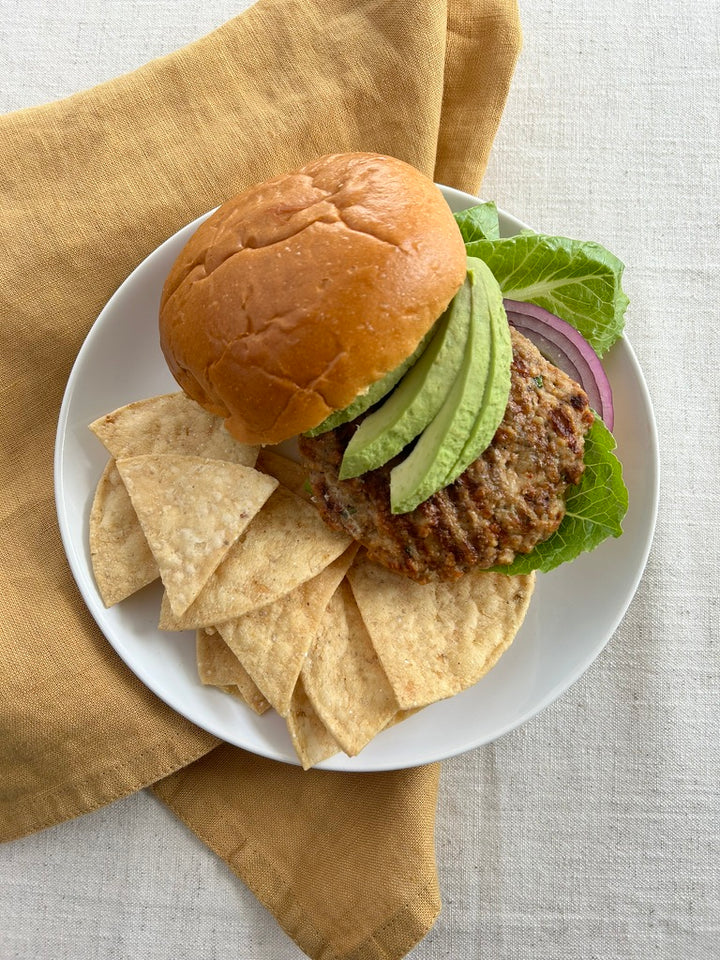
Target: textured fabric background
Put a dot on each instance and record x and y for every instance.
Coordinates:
(592, 831)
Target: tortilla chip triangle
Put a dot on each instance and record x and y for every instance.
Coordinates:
(171, 423)
(272, 641)
(437, 639)
(286, 545)
(291, 475)
(121, 558)
(192, 510)
(311, 739)
(219, 667)
(344, 679)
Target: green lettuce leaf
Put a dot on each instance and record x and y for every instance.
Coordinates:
(595, 508)
(577, 280)
(479, 223)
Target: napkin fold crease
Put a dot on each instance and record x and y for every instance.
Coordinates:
(89, 186)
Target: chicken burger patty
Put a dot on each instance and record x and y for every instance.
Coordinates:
(507, 501)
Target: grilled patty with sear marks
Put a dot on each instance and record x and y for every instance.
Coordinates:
(507, 501)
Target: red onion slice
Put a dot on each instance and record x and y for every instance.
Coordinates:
(562, 345)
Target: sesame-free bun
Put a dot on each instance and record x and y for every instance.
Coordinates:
(296, 295)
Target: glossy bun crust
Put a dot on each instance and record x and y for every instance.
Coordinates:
(296, 295)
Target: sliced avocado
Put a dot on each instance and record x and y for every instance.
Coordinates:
(417, 398)
(375, 392)
(474, 407)
(424, 471)
(497, 387)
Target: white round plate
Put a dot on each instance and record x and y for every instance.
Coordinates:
(573, 614)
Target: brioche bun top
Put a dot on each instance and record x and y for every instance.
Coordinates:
(297, 294)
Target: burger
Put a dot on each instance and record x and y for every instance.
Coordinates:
(341, 304)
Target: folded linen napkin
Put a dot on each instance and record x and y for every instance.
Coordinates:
(90, 185)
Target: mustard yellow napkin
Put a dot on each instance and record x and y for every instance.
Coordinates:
(90, 185)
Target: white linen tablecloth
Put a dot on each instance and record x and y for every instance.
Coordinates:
(592, 832)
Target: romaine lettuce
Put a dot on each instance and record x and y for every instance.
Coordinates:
(579, 281)
(479, 223)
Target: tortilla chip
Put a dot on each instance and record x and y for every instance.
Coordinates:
(170, 423)
(121, 557)
(219, 667)
(192, 510)
(272, 641)
(290, 473)
(262, 706)
(402, 715)
(344, 678)
(437, 639)
(311, 739)
(286, 544)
